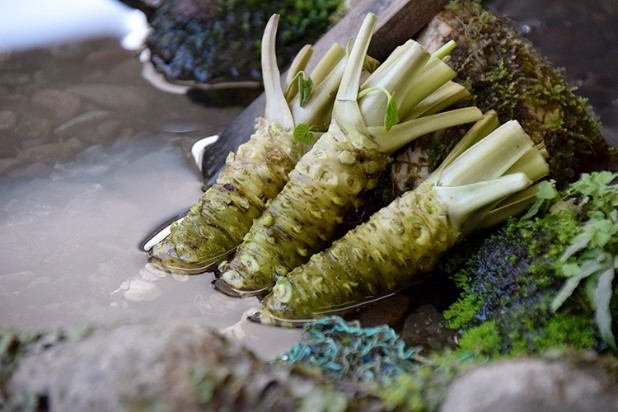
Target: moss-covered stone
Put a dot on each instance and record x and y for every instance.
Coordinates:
(513, 279)
(504, 72)
(210, 41)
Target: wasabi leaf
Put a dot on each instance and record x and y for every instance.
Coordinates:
(305, 85)
(304, 133)
(391, 116)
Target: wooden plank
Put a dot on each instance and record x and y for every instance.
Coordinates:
(398, 21)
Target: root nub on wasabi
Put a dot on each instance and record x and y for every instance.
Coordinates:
(400, 101)
(255, 174)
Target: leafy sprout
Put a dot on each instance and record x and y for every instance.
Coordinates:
(590, 256)
(305, 86)
(304, 133)
(391, 114)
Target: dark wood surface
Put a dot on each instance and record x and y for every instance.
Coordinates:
(398, 21)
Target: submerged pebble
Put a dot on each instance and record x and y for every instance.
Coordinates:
(140, 290)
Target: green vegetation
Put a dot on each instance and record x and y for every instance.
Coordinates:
(546, 280)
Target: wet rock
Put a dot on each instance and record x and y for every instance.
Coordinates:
(58, 104)
(40, 281)
(14, 78)
(16, 278)
(106, 130)
(7, 163)
(33, 170)
(81, 123)
(8, 119)
(424, 328)
(131, 362)
(31, 125)
(533, 385)
(51, 150)
(140, 290)
(174, 366)
(210, 42)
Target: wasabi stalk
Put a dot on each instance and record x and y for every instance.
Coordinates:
(407, 238)
(325, 184)
(254, 175)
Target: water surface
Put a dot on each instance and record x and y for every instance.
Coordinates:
(92, 158)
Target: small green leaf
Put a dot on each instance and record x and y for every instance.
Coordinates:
(303, 133)
(602, 314)
(571, 269)
(546, 190)
(305, 85)
(391, 115)
(391, 112)
(588, 268)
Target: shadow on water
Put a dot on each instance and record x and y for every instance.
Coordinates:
(93, 157)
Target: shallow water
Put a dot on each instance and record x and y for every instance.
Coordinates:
(92, 157)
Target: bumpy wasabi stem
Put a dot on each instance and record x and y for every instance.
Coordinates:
(302, 218)
(252, 176)
(325, 184)
(372, 258)
(398, 243)
(216, 224)
(404, 239)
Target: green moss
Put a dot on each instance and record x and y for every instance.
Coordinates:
(513, 279)
(504, 72)
(463, 311)
(484, 339)
(425, 388)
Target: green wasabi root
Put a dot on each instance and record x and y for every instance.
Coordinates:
(216, 224)
(301, 219)
(406, 238)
